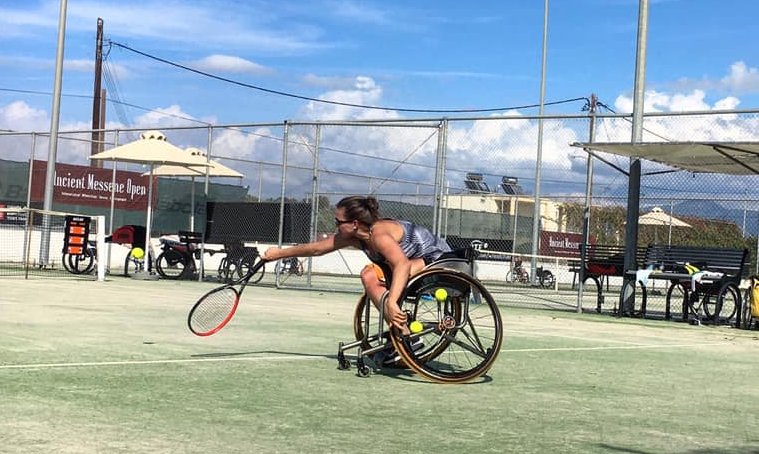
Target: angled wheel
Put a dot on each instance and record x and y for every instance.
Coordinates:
(287, 268)
(171, 264)
(134, 262)
(367, 333)
(79, 264)
(246, 264)
(547, 279)
(677, 293)
(722, 306)
(634, 289)
(461, 329)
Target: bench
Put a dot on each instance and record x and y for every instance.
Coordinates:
(668, 263)
(603, 261)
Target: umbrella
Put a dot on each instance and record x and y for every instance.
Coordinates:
(214, 169)
(151, 148)
(657, 217)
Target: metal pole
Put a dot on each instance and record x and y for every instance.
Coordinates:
(31, 172)
(588, 204)
(283, 190)
(437, 216)
(539, 160)
(53, 145)
(113, 200)
(633, 191)
(209, 147)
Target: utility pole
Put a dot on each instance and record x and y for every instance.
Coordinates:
(98, 98)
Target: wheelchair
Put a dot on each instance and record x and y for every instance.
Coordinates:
(461, 329)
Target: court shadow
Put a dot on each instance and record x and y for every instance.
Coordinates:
(726, 450)
(261, 352)
(399, 373)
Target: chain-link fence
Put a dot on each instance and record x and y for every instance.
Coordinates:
(471, 180)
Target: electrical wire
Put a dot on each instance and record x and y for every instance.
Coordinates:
(324, 101)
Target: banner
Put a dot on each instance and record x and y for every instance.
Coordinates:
(560, 244)
(82, 185)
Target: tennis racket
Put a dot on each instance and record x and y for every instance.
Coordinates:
(216, 308)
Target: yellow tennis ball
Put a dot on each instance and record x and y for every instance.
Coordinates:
(441, 294)
(415, 326)
(138, 253)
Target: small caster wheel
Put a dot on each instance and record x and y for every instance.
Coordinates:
(363, 371)
(343, 363)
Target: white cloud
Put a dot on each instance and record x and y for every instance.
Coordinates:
(229, 64)
(656, 101)
(364, 92)
(741, 78)
(19, 116)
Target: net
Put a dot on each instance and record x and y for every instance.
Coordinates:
(37, 242)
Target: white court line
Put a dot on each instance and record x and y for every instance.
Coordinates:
(157, 361)
(564, 336)
(613, 347)
(302, 357)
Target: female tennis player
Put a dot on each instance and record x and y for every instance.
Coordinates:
(398, 247)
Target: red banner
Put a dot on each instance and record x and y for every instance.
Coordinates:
(82, 185)
(560, 244)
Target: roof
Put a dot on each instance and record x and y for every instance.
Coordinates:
(731, 158)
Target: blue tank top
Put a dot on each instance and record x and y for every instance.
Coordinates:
(417, 242)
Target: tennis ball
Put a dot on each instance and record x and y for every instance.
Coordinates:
(441, 294)
(415, 326)
(138, 253)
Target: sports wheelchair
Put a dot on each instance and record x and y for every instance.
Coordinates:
(460, 334)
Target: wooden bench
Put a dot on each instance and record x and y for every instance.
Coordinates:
(603, 261)
(669, 264)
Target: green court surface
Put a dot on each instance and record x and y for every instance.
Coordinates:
(110, 367)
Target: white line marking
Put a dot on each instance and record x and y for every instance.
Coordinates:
(313, 357)
(611, 347)
(158, 361)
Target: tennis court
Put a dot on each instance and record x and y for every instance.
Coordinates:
(111, 367)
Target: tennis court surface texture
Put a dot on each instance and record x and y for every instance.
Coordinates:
(110, 367)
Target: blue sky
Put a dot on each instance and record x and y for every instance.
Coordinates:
(443, 54)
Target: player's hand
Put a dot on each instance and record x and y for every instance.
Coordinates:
(271, 254)
(395, 316)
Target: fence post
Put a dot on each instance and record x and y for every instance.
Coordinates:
(588, 203)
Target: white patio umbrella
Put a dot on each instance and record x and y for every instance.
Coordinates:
(657, 217)
(151, 149)
(213, 170)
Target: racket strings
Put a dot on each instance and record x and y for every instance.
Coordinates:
(214, 310)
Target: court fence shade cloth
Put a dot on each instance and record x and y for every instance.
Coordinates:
(731, 158)
(212, 170)
(419, 169)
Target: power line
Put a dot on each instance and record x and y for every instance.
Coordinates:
(111, 100)
(324, 101)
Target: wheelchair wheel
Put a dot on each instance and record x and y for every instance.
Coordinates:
(461, 332)
(630, 289)
(171, 264)
(359, 318)
(547, 279)
(246, 264)
(79, 264)
(679, 292)
(286, 268)
(722, 306)
(133, 265)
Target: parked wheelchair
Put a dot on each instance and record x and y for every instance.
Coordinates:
(457, 328)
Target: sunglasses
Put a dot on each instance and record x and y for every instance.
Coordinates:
(339, 221)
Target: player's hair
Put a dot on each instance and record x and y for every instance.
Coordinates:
(359, 208)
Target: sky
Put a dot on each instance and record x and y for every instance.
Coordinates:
(422, 55)
(250, 61)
